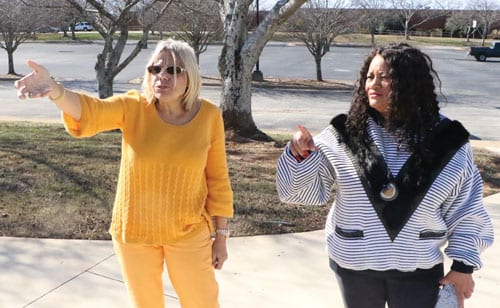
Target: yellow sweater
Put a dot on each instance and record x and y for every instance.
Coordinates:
(172, 178)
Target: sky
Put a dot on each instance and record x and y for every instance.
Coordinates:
(266, 4)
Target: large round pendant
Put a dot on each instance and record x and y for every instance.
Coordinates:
(389, 192)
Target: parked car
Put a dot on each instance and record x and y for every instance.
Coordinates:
(83, 26)
(482, 53)
(47, 29)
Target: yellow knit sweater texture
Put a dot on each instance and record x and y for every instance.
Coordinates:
(172, 179)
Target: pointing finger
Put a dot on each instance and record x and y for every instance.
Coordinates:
(32, 64)
(303, 130)
(307, 137)
(37, 68)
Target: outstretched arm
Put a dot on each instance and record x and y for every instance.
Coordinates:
(38, 84)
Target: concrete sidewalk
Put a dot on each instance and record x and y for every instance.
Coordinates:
(287, 270)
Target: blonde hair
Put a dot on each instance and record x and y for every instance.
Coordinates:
(182, 52)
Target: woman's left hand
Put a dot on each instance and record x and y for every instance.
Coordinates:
(219, 252)
(463, 283)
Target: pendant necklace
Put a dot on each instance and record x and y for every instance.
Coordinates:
(389, 192)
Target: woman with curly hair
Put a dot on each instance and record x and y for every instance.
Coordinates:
(405, 185)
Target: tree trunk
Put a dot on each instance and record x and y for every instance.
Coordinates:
(104, 83)
(236, 95)
(407, 31)
(485, 34)
(239, 55)
(10, 55)
(10, 45)
(108, 63)
(104, 68)
(235, 69)
(319, 74)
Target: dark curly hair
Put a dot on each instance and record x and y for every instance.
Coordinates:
(414, 108)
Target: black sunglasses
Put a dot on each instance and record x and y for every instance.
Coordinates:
(171, 70)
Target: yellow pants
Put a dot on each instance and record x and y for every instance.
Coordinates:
(189, 265)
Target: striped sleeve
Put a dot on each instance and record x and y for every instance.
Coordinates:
(470, 227)
(308, 182)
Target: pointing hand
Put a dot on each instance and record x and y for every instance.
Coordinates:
(302, 143)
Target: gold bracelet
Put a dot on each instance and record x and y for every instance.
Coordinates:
(61, 95)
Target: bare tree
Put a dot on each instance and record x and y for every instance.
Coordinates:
(240, 52)
(111, 20)
(486, 11)
(66, 17)
(55, 13)
(410, 9)
(196, 22)
(18, 22)
(317, 25)
(372, 16)
(459, 21)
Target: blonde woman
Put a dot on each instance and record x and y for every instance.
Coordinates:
(173, 188)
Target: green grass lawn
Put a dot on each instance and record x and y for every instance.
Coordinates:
(52, 185)
(355, 38)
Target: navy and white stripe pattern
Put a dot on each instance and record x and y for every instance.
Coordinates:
(451, 211)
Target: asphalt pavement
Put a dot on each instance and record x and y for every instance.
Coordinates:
(274, 109)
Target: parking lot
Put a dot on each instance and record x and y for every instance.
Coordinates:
(469, 87)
